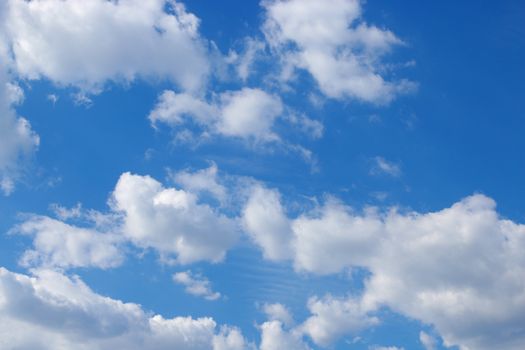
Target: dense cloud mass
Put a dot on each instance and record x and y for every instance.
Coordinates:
(460, 269)
(86, 43)
(58, 244)
(144, 213)
(266, 222)
(172, 221)
(50, 311)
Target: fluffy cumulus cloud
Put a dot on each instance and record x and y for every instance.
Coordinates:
(275, 337)
(172, 221)
(87, 43)
(58, 244)
(231, 339)
(247, 113)
(460, 269)
(332, 318)
(195, 284)
(278, 312)
(143, 213)
(50, 311)
(331, 42)
(17, 139)
(265, 220)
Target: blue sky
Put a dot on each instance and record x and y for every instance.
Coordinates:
(284, 174)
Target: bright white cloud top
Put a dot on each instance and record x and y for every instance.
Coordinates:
(246, 114)
(261, 179)
(456, 269)
(52, 311)
(87, 43)
(329, 42)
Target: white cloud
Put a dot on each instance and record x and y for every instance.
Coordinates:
(17, 140)
(460, 269)
(332, 43)
(428, 341)
(144, 213)
(332, 318)
(205, 180)
(57, 244)
(87, 43)
(274, 337)
(230, 339)
(332, 238)
(265, 221)
(49, 311)
(171, 221)
(249, 112)
(246, 113)
(278, 312)
(196, 285)
(383, 166)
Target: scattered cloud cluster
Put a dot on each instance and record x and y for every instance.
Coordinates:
(274, 337)
(86, 45)
(144, 213)
(49, 311)
(330, 319)
(416, 261)
(58, 244)
(459, 269)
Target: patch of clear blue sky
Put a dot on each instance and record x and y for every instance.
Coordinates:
(461, 133)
